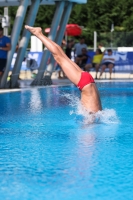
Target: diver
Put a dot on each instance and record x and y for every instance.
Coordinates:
(90, 98)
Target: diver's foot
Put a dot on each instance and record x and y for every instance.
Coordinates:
(34, 30)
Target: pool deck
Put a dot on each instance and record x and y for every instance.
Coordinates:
(26, 80)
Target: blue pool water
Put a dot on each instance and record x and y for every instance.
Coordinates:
(47, 152)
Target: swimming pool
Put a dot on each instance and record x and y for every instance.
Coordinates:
(47, 152)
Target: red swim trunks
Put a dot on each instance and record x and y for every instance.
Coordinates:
(85, 79)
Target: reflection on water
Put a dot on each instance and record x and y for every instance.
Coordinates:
(35, 101)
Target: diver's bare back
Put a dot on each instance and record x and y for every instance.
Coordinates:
(90, 98)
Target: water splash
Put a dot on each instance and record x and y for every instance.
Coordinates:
(107, 116)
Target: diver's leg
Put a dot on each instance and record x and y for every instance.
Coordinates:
(72, 71)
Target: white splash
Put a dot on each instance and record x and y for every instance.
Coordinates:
(107, 116)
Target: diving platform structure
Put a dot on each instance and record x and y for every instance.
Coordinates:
(29, 9)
